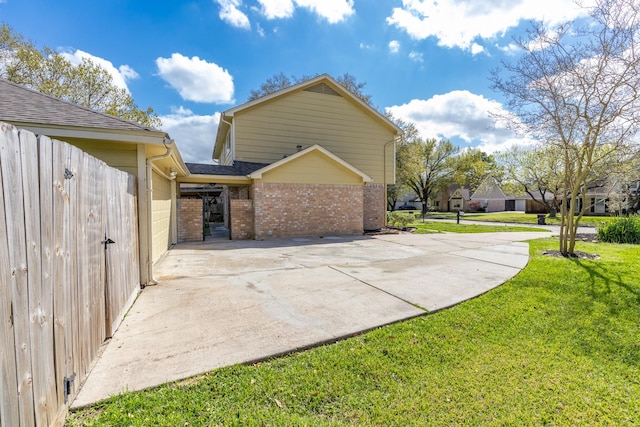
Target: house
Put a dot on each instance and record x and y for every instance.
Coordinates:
(458, 199)
(490, 197)
(310, 159)
(149, 154)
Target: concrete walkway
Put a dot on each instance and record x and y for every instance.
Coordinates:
(225, 302)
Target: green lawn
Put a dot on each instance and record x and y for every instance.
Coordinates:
(557, 345)
(428, 227)
(522, 218)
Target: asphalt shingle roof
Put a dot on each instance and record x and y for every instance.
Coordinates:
(238, 169)
(20, 104)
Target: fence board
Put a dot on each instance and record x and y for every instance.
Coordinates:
(13, 198)
(82, 317)
(75, 165)
(45, 162)
(38, 295)
(8, 374)
(62, 290)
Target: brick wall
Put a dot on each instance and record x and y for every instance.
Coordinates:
(375, 206)
(289, 210)
(189, 219)
(241, 218)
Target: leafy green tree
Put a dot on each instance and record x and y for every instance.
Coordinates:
(472, 166)
(424, 166)
(86, 84)
(394, 193)
(536, 171)
(575, 87)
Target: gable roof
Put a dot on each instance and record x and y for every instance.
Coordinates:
(258, 173)
(29, 108)
(323, 82)
(489, 189)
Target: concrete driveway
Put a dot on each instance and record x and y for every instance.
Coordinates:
(224, 302)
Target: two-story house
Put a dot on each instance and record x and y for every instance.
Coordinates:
(309, 160)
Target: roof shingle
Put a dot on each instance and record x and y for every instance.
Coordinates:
(20, 104)
(238, 169)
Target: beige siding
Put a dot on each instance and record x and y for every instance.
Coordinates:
(161, 215)
(272, 130)
(312, 168)
(226, 157)
(117, 155)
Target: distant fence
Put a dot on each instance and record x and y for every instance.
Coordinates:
(63, 286)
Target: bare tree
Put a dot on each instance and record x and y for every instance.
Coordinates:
(576, 87)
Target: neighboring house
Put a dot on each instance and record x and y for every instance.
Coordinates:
(491, 198)
(147, 153)
(451, 198)
(458, 199)
(310, 159)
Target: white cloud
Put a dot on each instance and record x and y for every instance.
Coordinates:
(460, 115)
(394, 46)
(273, 9)
(196, 79)
(476, 48)
(120, 75)
(333, 11)
(231, 14)
(365, 46)
(510, 49)
(194, 135)
(416, 56)
(457, 23)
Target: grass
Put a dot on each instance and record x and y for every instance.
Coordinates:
(522, 218)
(433, 227)
(556, 345)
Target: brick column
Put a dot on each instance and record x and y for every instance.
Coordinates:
(241, 217)
(190, 220)
(375, 206)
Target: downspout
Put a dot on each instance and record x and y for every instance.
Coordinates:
(168, 145)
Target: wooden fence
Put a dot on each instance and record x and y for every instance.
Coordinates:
(63, 287)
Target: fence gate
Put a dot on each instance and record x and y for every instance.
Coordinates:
(63, 285)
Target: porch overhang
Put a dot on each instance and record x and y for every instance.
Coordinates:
(217, 179)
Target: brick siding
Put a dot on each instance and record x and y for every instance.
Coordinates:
(289, 210)
(241, 218)
(190, 220)
(375, 206)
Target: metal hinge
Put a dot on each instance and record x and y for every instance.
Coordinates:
(68, 381)
(107, 241)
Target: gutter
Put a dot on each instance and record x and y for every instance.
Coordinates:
(169, 145)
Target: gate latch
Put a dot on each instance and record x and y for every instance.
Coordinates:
(106, 242)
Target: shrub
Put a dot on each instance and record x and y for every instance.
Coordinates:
(620, 230)
(475, 206)
(400, 219)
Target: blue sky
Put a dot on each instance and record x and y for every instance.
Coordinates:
(426, 61)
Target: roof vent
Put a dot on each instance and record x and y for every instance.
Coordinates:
(322, 88)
